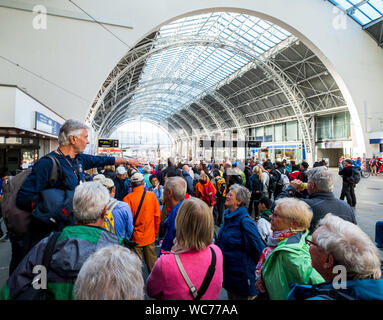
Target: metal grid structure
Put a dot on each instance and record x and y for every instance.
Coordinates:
(212, 73)
(368, 13)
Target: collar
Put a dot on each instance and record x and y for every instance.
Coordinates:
(240, 210)
(327, 195)
(175, 209)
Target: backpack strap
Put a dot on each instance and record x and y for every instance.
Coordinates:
(112, 204)
(56, 172)
(48, 252)
(206, 281)
(139, 208)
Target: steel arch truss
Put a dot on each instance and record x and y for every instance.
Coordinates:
(285, 81)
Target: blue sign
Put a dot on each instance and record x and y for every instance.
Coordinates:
(376, 141)
(46, 124)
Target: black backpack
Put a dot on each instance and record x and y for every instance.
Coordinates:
(273, 181)
(355, 176)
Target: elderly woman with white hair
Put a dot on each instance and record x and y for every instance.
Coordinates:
(241, 246)
(286, 260)
(347, 259)
(111, 273)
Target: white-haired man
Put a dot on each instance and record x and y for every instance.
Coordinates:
(321, 198)
(347, 259)
(74, 245)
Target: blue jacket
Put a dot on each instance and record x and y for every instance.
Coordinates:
(170, 224)
(365, 289)
(189, 182)
(123, 220)
(73, 170)
(123, 187)
(241, 248)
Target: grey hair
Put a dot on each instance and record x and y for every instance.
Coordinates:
(178, 186)
(242, 194)
(147, 169)
(323, 178)
(89, 201)
(350, 247)
(70, 128)
(110, 273)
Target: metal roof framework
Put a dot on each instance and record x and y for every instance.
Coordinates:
(213, 73)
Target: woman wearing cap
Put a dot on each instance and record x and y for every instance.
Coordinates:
(194, 248)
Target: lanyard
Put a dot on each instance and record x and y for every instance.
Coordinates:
(75, 172)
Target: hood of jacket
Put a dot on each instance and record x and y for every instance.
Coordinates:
(75, 245)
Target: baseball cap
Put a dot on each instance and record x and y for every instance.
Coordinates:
(121, 170)
(98, 177)
(108, 183)
(137, 177)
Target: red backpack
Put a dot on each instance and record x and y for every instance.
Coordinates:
(210, 198)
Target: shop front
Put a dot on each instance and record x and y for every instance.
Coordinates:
(278, 152)
(331, 151)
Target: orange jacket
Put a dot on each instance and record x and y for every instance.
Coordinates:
(149, 218)
(200, 190)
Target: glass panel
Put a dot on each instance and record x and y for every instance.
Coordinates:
(341, 126)
(292, 131)
(268, 134)
(279, 131)
(361, 17)
(324, 128)
(205, 66)
(378, 5)
(369, 11)
(259, 131)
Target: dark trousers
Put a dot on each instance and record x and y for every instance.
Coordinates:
(253, 205)
(22, 244)
(20, 247)
(348, 191)
(218, 211)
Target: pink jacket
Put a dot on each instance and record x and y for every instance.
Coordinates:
(166, 282)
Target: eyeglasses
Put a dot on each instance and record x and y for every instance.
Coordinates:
(275, 215)
(309, 242)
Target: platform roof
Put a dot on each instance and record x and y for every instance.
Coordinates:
(208, 73)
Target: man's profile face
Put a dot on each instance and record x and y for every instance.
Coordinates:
(81, 141)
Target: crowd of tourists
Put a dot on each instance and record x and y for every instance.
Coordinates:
(262, 230)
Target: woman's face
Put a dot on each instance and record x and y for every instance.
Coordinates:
(231, 201)
(278, 222)
(154, 182)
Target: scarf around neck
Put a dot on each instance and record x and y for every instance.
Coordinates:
(278, 236)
